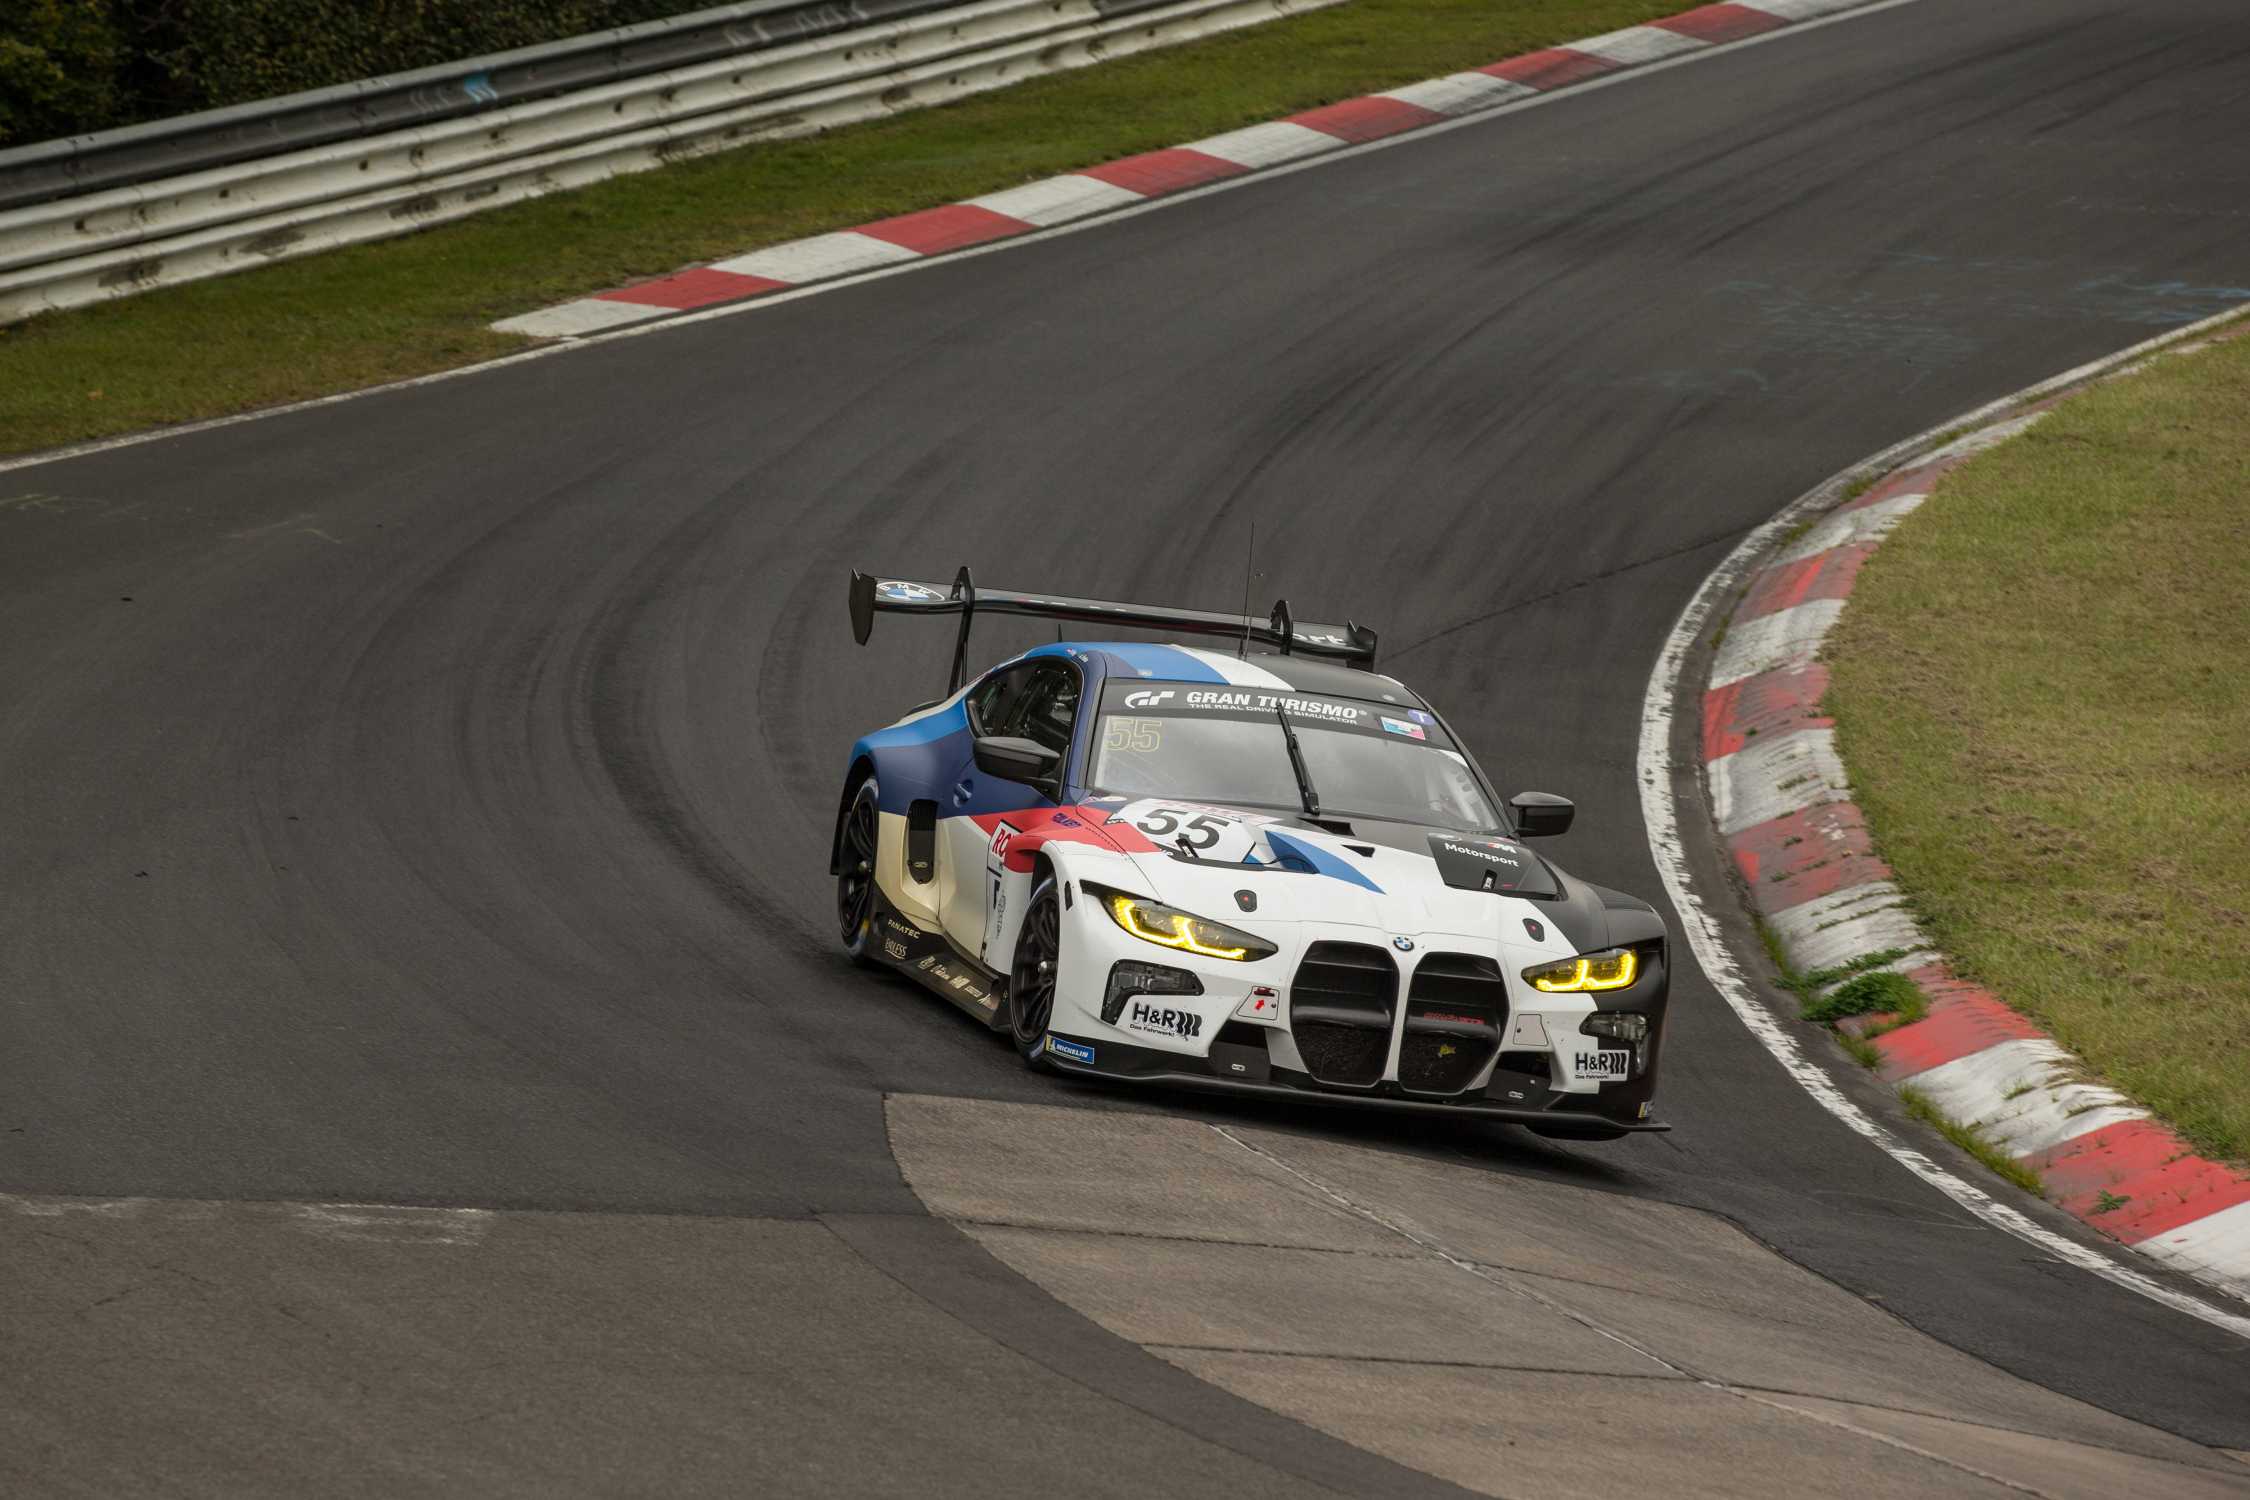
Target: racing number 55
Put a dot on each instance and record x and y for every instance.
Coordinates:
(1139, 735)
(1200, 831)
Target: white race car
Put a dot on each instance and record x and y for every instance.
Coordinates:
(1277, 873)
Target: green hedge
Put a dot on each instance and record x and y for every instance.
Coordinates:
(71, 66)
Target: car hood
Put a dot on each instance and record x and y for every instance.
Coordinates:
(1390, 880)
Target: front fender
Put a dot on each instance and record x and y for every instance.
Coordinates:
(1056, 845)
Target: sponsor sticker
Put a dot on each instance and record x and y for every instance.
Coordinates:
(1261, 1004)
(1002, 837)
(1162, 1020)
(1147, 697)
(1077, 1052)
(1497, 854)
(1601, 1065)
(958, 980)
(1238, 701)
(1421, 716)
(1401, 726)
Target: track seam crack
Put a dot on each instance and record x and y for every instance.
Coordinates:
(1436, 1248)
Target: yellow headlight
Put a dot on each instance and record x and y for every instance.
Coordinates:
(1169, 927)
(1610, 969)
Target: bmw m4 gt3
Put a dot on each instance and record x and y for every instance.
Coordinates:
(1278, 873)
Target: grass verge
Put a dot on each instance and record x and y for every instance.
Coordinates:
(372, 313)
(2042, 688)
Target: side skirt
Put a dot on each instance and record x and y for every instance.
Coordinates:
(931, 959)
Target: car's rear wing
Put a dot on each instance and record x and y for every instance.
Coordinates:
(1351, 644)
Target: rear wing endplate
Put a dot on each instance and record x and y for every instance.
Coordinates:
(1349, 643)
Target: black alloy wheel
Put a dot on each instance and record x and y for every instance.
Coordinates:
(855, 875)
(1031, 982)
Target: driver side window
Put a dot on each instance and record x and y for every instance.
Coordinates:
(1048, 710)
(1035, 701)
(994, 699)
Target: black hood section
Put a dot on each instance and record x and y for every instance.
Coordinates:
(1479, 862)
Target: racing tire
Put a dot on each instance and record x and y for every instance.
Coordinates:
(1031, 978)
(858, 844)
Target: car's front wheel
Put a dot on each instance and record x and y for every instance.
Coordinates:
(1031, 979)
(855, 874)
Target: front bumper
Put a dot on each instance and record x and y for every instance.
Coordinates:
(1231, 1071)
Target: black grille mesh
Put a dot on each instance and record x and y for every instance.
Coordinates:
(1342, 1054)
(1340, 1004)
(1459, 985)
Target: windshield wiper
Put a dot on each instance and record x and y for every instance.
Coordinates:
(1305, 790)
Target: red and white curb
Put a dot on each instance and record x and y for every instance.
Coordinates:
(1156, 174)
(1782, 803)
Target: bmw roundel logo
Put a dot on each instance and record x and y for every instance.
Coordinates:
(1403, 944)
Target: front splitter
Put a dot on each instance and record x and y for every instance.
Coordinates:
(1560, 1120)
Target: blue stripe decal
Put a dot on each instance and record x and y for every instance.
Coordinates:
(934, 725)
(1168, 663)
(1318, 859)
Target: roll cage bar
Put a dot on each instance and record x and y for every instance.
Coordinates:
(1349, 643)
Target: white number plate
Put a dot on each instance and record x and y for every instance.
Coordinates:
(1602, 1066)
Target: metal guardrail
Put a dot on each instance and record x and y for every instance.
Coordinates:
(95, 217)
(82, 164)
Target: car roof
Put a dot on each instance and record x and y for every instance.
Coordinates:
(1166, 662)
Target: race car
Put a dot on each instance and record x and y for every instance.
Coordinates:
(1274, 873)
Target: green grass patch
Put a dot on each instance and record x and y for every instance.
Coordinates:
(1869, 994)
(2042, 688)
(373, 313)
(1971, 1140)
(1859, 991)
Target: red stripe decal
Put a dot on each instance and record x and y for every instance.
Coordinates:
(1368, 119)
(1554, 68)
(1155, 173)
(1805, 856)
(1721, 23)
(2162, 1184)
(1825, 575)
(1767, 705)
(1963, 1019)
(697, 288)
(934, 231)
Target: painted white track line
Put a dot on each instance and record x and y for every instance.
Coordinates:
(1806, 15)
(1661, 814)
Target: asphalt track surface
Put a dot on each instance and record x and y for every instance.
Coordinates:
(424, 799)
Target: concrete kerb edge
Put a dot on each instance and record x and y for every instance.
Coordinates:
(1819, 933)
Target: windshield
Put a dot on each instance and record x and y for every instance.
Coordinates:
(1225, 745)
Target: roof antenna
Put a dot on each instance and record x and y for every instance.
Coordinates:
(1242, 647)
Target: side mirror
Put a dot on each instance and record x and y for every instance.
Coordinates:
(1541, 815)
(1014, 759)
